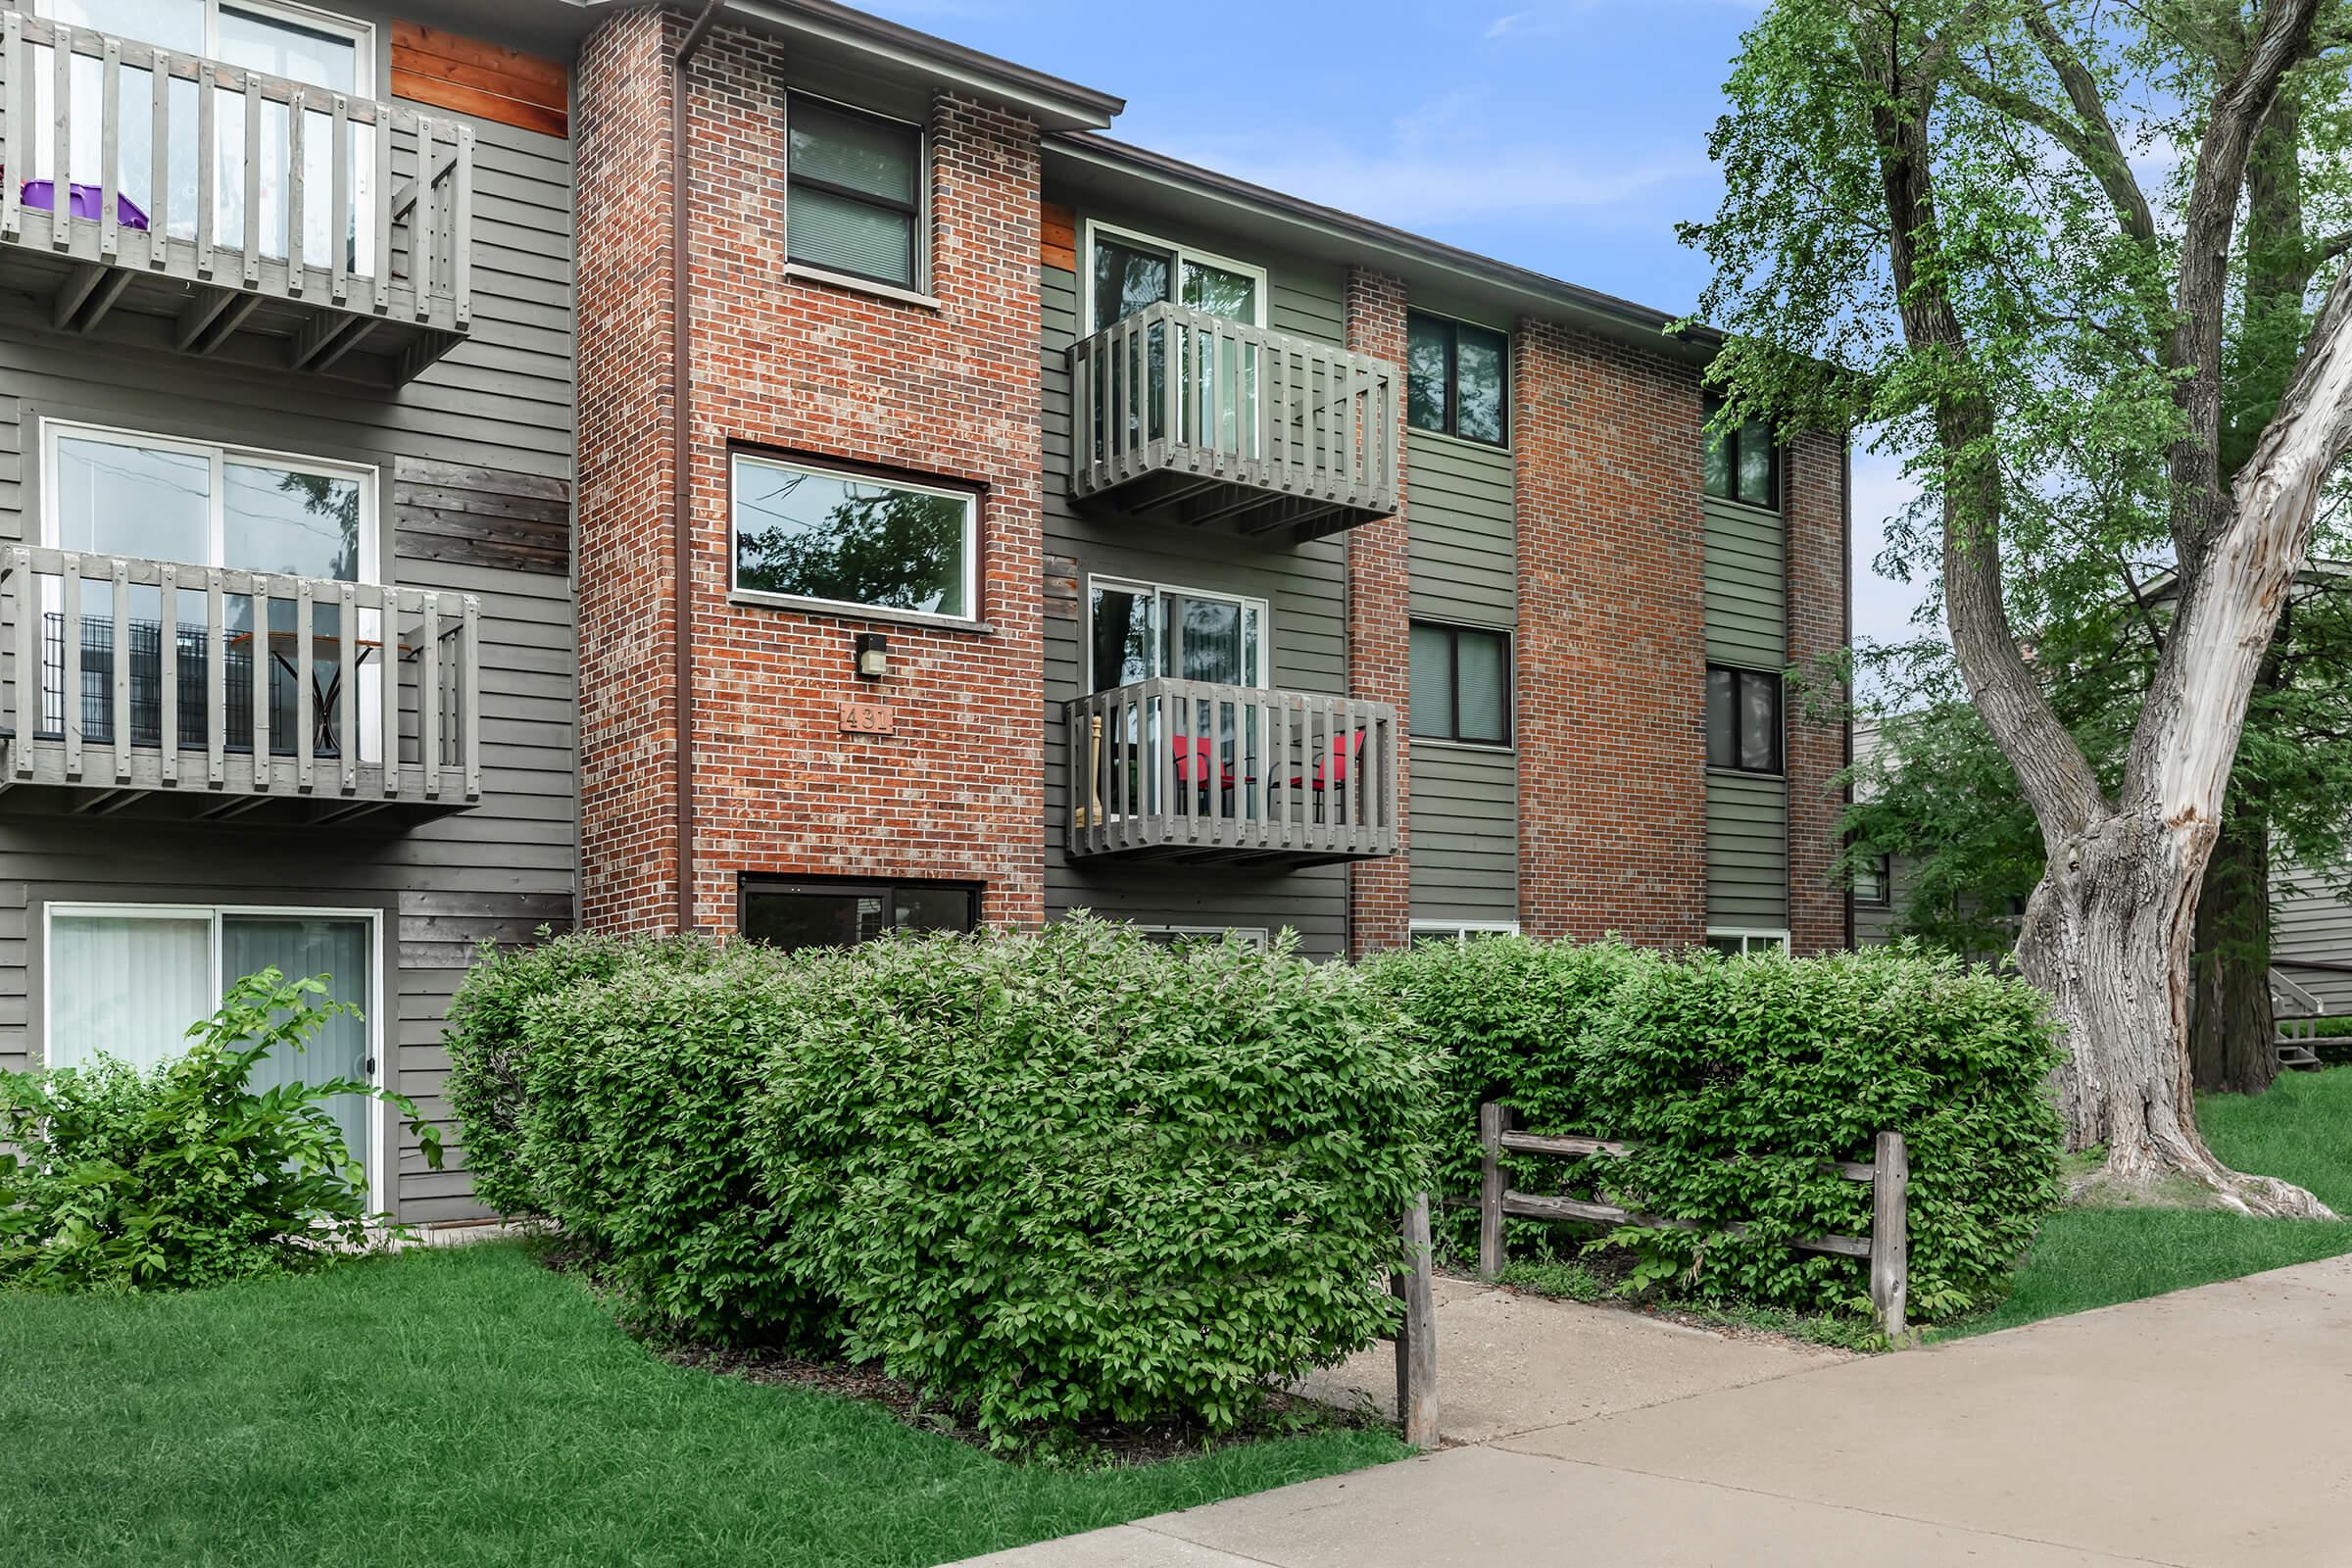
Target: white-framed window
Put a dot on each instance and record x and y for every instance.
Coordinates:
(853, 193)
(317, 47)
(1462, 930)
(1176, 936)
(1122, 270)
(153, 497)
(1742, 941)
(1140, 630)
(157, 498)
(808, 535)
(127, 980)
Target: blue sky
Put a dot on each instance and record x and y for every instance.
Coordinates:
(1566, 135)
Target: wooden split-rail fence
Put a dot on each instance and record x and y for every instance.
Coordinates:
(1887, 1248)
(1417, 1335)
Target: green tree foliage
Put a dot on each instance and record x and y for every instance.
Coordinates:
(2072, 264)
(185, 1175)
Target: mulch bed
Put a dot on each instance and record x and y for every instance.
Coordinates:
(1106, 1443)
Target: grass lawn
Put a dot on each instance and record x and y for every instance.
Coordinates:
(471, 1407)
(2087, 1257)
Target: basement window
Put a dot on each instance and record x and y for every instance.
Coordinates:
(841, 915)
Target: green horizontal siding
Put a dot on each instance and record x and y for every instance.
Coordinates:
(1465, 834)
(1746, 587)
(1747, 850)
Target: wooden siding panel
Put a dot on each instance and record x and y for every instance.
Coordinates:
(490, 81)
(1464, 552)
(1746, 586)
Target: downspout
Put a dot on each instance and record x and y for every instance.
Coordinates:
(681, 452)
(1845, 638)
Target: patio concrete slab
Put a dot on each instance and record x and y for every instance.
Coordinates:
(1510, 1363)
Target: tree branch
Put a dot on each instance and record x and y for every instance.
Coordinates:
(2100, 149)
(2209, 218)
(2057, 780)
(2196, 708)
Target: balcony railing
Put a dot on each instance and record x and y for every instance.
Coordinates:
(1190, 769)
(221, 692)
(245, 206)
(1187, 416)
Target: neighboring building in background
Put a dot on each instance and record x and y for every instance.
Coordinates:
(1064, 527)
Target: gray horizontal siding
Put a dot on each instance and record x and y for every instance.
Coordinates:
(501, 401)
(2308, 922)
(1746, 587)
(1747, 850)
(1307, 592)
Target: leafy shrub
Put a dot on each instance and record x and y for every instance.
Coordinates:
(1053, 1179)
(634, 1128)
(1514, 1018)
(185, 1175)
(1737, 1078)
(1078, 1177)
(483, 1036)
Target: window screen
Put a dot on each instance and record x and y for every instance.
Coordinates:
(1461, 684)
(1743, 720)
(1456, 378)
(853, 186)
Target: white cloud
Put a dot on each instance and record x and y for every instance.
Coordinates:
(1442, 163)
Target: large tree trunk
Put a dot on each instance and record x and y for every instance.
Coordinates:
(2232, 1034)
(2106, 937)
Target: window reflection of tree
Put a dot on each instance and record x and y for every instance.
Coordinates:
(893, 549)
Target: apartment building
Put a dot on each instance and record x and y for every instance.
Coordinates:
(743, 463)
(1072, 528)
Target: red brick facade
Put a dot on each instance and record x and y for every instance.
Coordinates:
(1814, 508)
(1379, 893)
(789, 367)
(628, 755)
(1611, 648)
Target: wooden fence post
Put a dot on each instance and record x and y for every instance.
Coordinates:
(1890, 1234)
(1417, 1340)
(1492, 1120)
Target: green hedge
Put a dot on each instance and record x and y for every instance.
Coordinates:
(1054, 1179)
(483, 1036)
(1738, 1077)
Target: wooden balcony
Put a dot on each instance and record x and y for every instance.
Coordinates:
(266, 220)
(285, 700)
(1180, 770)
(1194, 420)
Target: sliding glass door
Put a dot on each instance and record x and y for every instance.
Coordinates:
(127, 981)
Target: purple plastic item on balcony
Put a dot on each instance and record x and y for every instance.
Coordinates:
(89, 201)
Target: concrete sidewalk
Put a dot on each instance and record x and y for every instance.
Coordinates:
(2210, 1427)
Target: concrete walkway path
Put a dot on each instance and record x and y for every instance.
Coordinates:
(2210, 1426)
